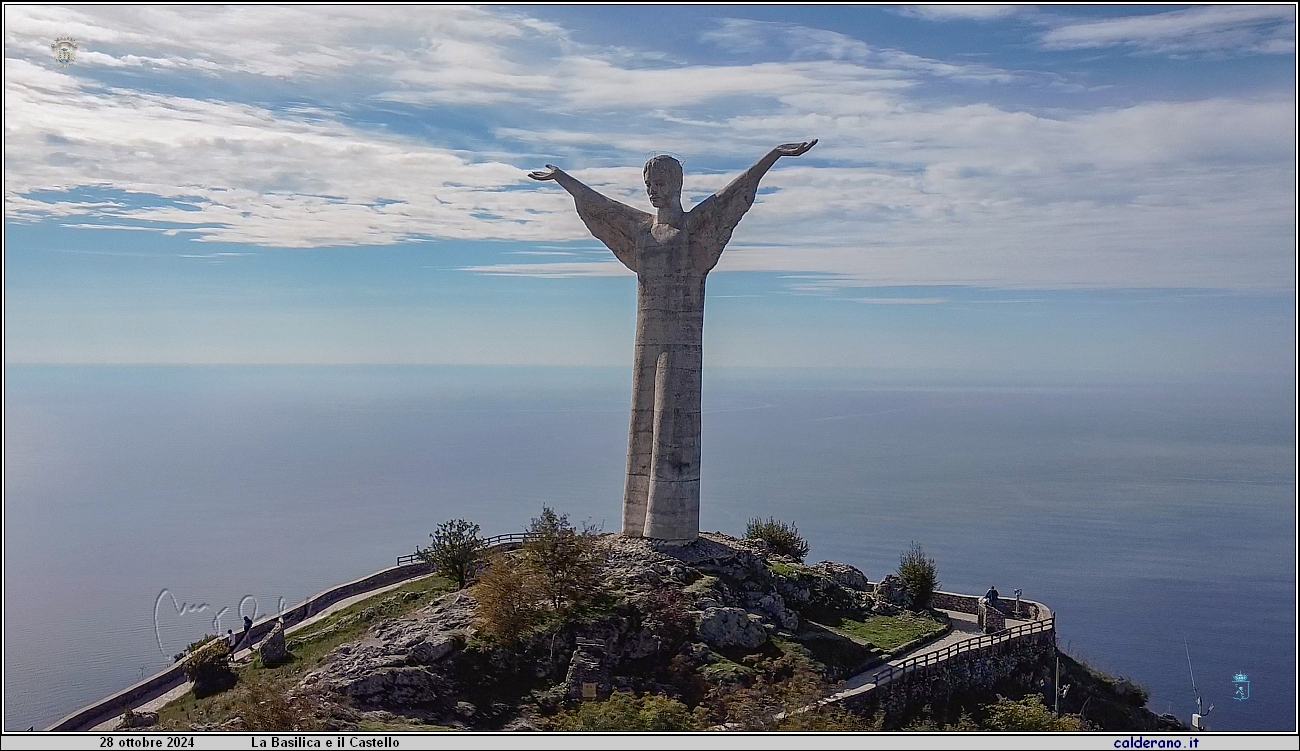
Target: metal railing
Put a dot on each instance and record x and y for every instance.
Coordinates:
(891, 673)
(488, 544)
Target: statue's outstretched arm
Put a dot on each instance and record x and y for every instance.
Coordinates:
(613, 223)
(712, 222)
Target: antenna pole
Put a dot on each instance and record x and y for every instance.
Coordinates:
(1198, 719)
(1056, 686)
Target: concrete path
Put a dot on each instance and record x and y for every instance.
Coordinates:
(158, 702)
(964, 626)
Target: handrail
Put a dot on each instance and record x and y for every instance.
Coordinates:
(490, 542)
(890, 673)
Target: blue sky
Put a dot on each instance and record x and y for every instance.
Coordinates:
(996, 188)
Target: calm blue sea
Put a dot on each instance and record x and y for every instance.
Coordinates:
(144, 506)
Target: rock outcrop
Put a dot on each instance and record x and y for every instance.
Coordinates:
(130, 720)
(400, 663)
(272, 649)
(731, 627)
(891, 595)
(845, 575)
(671, 612)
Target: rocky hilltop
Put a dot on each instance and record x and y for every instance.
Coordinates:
(676, 621)
(721, 633)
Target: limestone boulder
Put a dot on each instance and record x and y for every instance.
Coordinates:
(845, 575)
(137, 720)
(772, 606)
(272, 648)
(398, 687)
(891, 592)
(401, 662)
(731, 627)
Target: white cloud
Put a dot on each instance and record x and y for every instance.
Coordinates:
(961, 11)
(901, 189)
(805, 43)
(564, 270)
(902, 300)
(279, 41)
(1255, 28)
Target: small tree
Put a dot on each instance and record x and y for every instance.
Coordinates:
(1028, 714)
(206, 663)
(781, 538)
(624, 711)
(454, 551)
(568, 563)
(507, 598)
(918, 574)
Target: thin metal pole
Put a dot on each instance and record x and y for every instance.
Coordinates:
(1056, 686)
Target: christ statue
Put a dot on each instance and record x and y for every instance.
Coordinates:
(671, 252)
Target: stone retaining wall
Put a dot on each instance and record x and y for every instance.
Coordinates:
(1029, 610)
(1019, 660)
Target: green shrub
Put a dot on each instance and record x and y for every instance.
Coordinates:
(1028, 714)
(207, 666)
(919, 575)
(193, 646)
(507, 600)
(627, 712)
(1130, 692)
(783, 685)
(568, 563)
(455, 550)
(781, 538)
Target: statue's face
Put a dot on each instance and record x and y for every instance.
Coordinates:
(661, 189)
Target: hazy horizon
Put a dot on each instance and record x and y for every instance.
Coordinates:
(1123, 506)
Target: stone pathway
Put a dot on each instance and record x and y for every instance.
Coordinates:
(964, 626)
(158, 702)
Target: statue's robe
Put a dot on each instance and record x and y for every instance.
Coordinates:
(661, 491)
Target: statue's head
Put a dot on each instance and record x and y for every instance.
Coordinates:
(663, 181)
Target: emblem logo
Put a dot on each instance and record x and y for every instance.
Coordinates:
(1242, 683)
(65, 50)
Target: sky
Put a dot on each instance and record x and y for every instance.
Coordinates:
(995, 189)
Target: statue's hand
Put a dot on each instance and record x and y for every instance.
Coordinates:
(794, 149)
(549, 173)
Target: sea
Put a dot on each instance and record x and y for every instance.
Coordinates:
(146, 506)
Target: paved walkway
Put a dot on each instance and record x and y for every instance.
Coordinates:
(158, 702)
(964, 626)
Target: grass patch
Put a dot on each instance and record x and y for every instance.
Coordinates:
(704, 584)
(726, 671)
(834, 650)
(788, 570)
(258, 686)
(410, 726)
(888, 632)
